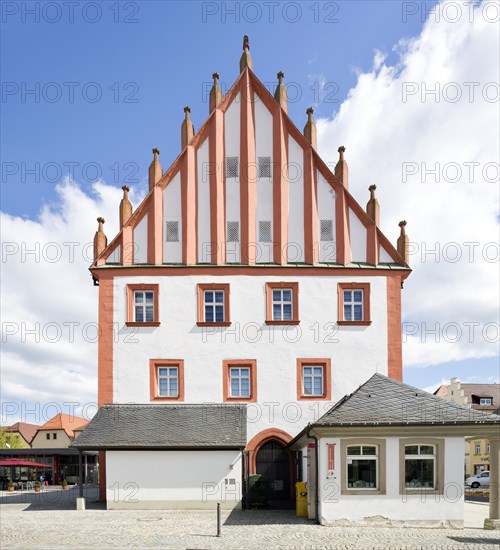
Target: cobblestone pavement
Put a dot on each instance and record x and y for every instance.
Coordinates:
(45, 522)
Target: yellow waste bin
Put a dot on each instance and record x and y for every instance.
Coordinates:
(301, 499)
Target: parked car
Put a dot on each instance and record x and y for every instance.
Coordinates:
(480, 480)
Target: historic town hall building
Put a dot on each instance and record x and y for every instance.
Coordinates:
(246, 295)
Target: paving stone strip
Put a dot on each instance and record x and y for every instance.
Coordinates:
(45, 526)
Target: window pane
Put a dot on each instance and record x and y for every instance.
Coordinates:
(276, 295)
(411, 450)
(358, 296)
(287, 312)
(353, 450)
(426, 450)
(209, 297)
(235, 387)
(149, 314)
(287, 295)
(362, 474)
(419, 473)
(347, 296)
(163, 371)
(347, 313)
(369, 450)
(173, 387)
(209, 314)
(149, 297)
(358, 312)
(318, 386)
(138, 297)
(219, 314)
(139, 314)
(307, 386)
(308, 370)
(245, 387)
(318, 370)
(245, 372)
(277, 312)
(219, 296)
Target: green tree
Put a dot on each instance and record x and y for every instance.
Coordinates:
(10, 441)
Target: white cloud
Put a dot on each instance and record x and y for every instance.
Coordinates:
(49, 304)
(385, 133)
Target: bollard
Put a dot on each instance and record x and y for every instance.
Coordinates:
(218, 519)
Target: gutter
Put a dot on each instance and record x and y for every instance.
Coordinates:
(316, 469)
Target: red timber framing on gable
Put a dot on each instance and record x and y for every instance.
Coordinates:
(186, 163)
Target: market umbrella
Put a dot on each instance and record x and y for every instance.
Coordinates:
(23, 463)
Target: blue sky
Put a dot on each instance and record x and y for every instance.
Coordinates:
(147, 60)
(148, 70)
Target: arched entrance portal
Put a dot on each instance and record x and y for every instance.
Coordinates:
(273, 462)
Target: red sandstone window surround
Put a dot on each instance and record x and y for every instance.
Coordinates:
(314, 379)
(213, 305)
(239, 380)
(142, 308)
(354, 304)
(282, 303)
(166, 379)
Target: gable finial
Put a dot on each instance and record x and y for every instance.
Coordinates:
(100, 239)
(280, 94)
(155, 170)
(372, 206)
(187, 129)
(341, 168)
(403, 242)
(215, 93)
(310, 128)
(246, 58)
(125, 206)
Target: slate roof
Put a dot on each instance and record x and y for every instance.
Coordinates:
(383, 401)
(165, 427)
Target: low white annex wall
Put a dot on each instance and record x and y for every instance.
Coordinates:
(173, 479)
(430, 510)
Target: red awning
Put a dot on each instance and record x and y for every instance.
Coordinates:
(23, 463)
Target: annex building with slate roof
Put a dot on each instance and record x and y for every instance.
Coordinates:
(248, 279)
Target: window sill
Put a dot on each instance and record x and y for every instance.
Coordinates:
(313, 397)
(240, 399)
(268, 322)
(205, 324)
(413, 491)
(354, 323)
(358, 491)
(167, 398)
(134, 324)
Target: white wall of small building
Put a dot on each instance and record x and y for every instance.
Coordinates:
(356, 352)
(393, 506)
(173, 479)
(40, 440)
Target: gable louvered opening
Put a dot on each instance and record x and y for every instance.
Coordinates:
(172, 232)
(232, 167)
(233, 232)
(264, 231)
(264, 167)
(326, 230)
